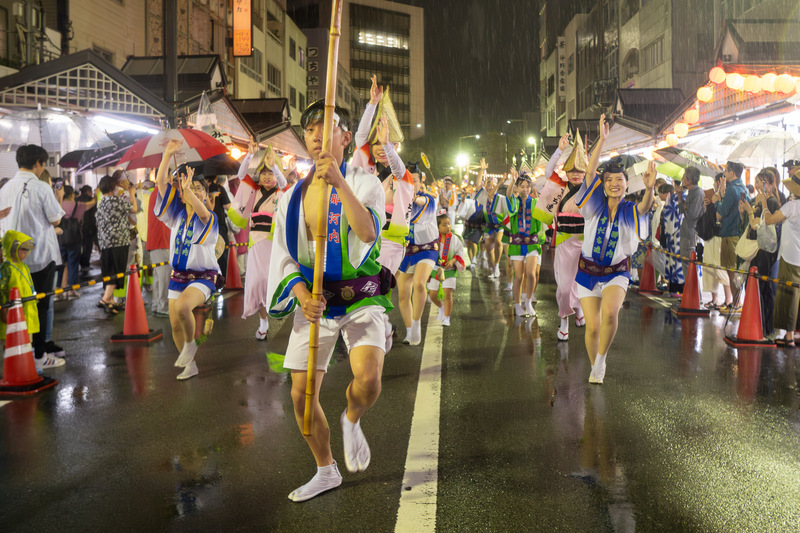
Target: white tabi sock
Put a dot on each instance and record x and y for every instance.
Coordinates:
(263, 324)
(416, 332)
(326, 478)
(187, 354)
(598, 369)
(564, 325)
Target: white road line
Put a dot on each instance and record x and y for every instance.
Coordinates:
(417, 512)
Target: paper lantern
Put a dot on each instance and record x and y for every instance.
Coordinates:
(797, 87)
(705, 94)
(768, 82)
(717, 75)
(692, 116)
(681, 130)
(785, 84)
(752, 84)
(735, 81)
(672, 139)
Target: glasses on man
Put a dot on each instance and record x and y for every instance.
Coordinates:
(197, 189)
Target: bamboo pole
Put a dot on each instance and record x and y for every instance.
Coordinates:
(321, 233)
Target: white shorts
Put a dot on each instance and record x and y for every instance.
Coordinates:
(363, 327)
(532, 253)
(449, 283)
(412, 268)
(597, 292)
(174, 295)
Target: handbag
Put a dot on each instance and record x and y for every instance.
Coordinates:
(767, 237)
(746, 248)
(70, 230)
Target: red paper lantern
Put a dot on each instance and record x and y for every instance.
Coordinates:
(717, 75)
(752, 84)
(692, 116)
(735, 81)
(681, 130)
(768, 82)
(705, 94)
(672, 139)
(785, 84)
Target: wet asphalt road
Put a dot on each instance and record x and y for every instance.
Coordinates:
(687, 434)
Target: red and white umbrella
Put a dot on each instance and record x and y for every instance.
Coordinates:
(197, 146)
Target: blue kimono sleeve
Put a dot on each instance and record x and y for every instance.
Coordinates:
(169, 207)
(205, 233)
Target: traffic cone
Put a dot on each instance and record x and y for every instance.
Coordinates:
(136, 328)
(19, 369)
(647, 285)
(690, 301)
(233, 280)
(750, 332)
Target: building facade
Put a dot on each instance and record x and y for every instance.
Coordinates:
(381, 38)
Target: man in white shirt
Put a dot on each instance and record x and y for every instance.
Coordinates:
(36, 211)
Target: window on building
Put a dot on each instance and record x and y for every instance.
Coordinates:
(653, 54)
(3, 33)
(273, 79)
(292, 48)
(292, 97)
(302, 102)
(302, 54)
(253, 66)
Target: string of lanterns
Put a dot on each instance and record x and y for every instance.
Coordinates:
(750, 83)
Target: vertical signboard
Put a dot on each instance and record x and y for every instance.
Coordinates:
(561, 68)
(242, 28)
(317, 63)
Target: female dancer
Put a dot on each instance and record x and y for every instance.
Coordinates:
(612, 231)
(557, 203)
(421, 256)
(259, 206)
(524, 249)
(181, 205)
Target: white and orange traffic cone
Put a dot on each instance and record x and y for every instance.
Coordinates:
(136, 328)
(19, 369)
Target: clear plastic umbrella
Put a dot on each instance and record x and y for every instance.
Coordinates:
(772, 148)
(55, 131)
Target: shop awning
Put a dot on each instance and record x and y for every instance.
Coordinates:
(283, 137)
(263, 113)
(229, 120)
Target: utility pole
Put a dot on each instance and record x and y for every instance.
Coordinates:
(171, 58)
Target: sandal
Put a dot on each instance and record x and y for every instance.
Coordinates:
(110, 309)
(784, 343)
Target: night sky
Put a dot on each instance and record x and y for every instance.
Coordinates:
(481, 63)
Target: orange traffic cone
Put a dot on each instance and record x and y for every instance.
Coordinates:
(647, 285)
(19, 369)
(690, 301)
(233, 280)
(750, 332)
(136, 328)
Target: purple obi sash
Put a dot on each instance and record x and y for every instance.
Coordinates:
(417, 248)
(346, 292)
(587, 266)
(188, 276)
(522, 240)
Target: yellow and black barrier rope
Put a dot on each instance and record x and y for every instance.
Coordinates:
(235, 244)
(759, 277)
(77, 286)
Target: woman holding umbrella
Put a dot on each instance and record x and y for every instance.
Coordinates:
(181, 205)
(612, 231)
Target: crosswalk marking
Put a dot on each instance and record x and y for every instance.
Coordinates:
(417, 512)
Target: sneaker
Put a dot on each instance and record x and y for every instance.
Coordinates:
(161, 314)
(54, 349)
(47, 362)
(60, 297)
(446, 321)
(73, 295)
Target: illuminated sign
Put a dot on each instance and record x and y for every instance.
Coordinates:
(242, 28)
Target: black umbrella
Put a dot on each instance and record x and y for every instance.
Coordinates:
(98, 157)
(71, 159)
(219, 165)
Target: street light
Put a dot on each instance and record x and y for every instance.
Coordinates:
(462, 160)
